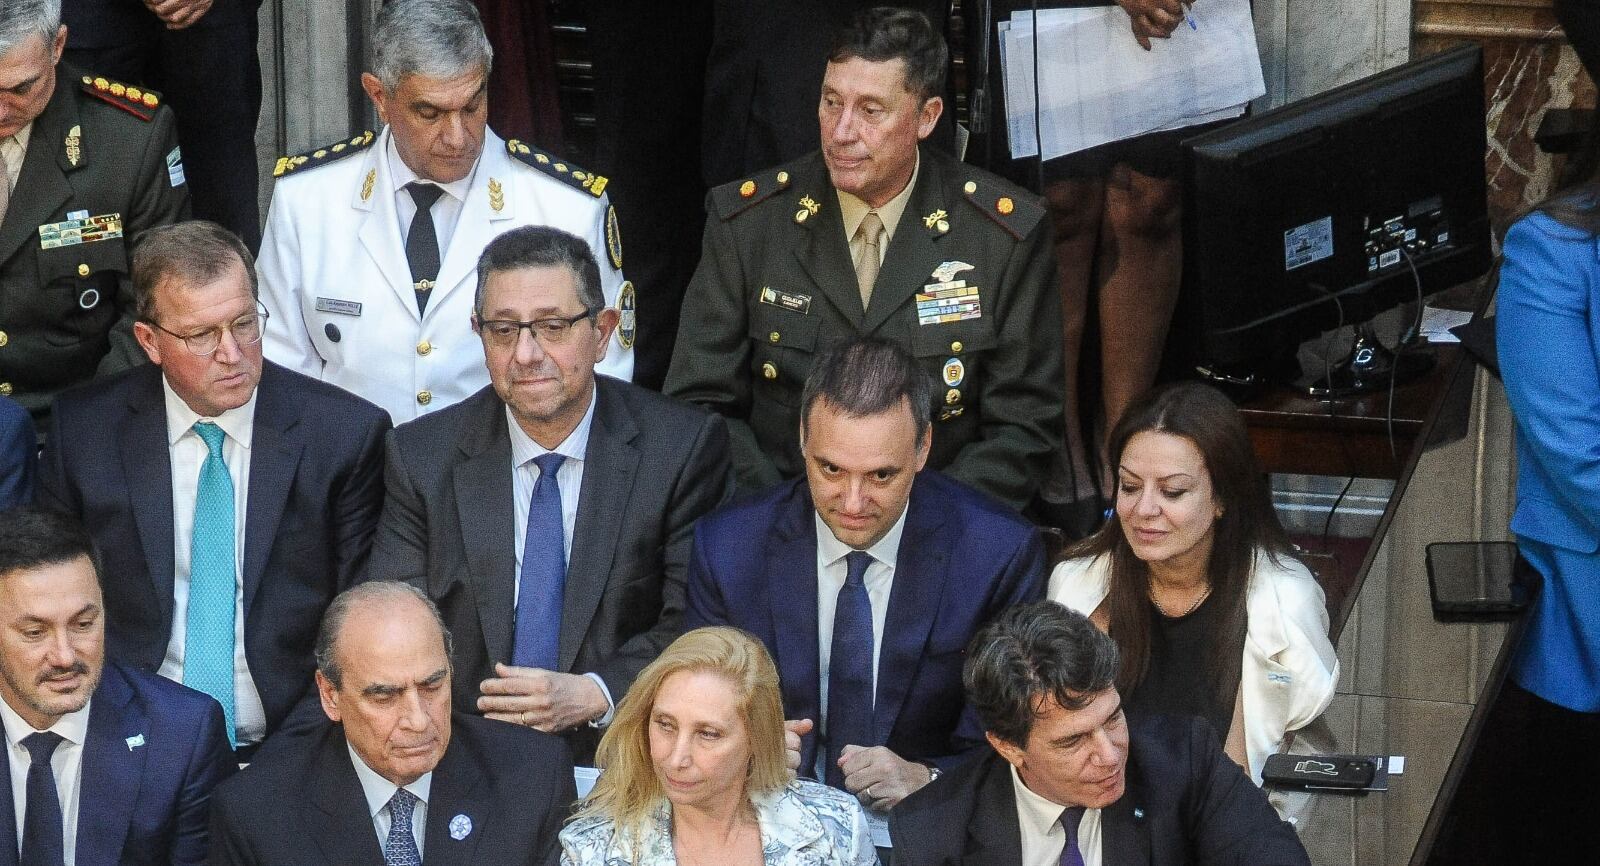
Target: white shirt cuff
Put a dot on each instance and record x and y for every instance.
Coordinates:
(611, 706)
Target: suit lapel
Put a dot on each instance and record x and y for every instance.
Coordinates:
(113, 765)
(486, 514)
(274, 457)
(792, 599)
(479, 222)
(8, 824)
(914, 253)
(454, 794)
(994, 835)
(920, 575)
(1124, 832)
(823, 252)
(336, 808)
(43, 180)
(610, 465)
(147, 474)
(380, 228)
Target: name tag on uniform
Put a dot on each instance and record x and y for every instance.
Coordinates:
(951, 301)
(799, 303)
(84, 230)
(334, 305)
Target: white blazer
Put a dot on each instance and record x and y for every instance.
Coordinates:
(338, 291)
(1289, 669)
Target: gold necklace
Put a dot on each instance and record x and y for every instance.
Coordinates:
(1157, 602)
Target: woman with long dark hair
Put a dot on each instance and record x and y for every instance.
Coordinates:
(1197, 583)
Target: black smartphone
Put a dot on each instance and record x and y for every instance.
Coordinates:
(1339, 772)
(1474, 580)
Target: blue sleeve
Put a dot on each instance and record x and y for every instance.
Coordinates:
(1547, 356)
(18, 456)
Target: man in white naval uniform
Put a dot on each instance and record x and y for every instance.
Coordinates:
(356, 293)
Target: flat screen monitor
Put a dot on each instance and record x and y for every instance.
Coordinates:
(1330, 210)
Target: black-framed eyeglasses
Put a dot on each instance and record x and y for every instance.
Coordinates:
(552, 331)
(246, 331)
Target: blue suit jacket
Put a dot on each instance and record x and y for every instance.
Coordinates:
(963, 558)
(19, 451)
(315, 492)
(1184, 802)
(1548, 337)
(141, 801)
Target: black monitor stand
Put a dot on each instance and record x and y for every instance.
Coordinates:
(1370, 366)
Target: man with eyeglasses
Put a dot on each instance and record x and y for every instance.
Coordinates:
(231, 498)
(549, 516)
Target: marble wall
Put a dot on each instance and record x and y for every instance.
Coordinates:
(1308, 46)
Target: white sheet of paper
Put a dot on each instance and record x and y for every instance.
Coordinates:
(1437, 322)
(585, 778)
(878, 823)
(1397, 764)
(1097, 85)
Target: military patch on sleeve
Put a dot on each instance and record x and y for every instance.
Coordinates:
(325, 154)
(557, 168)
(628, 305)
(136, 101)
(732, 199)
(613, 237)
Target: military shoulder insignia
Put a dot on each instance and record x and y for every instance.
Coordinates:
(628, 305)
(732, 199)
(136, 101)
(557, 167)
(613, 238)
(325, 154)
(1015, 211)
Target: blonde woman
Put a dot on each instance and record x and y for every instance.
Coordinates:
(694, 772)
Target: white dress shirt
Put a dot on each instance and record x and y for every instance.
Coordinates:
(569, 478)
(188, 453)
(446, 211)
(14, 148)
(66, 764)
(1043, 838)
(831, 573)
(379, 791)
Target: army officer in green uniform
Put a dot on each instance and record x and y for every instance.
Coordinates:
(88, 163)
(878, 235)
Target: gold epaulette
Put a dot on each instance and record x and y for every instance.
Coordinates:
(557, 167)
(322, 155)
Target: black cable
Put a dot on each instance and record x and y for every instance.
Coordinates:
(1399, 351)
(1344, 446)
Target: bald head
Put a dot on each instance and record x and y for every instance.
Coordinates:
(369, 606)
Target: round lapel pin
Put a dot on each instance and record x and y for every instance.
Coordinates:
(460, 827)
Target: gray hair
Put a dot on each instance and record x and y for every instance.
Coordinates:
(542, 247)
(362, 595)
(194, 251)
(865, 377)
(1032, 653)
(23, 19)
(435, 38)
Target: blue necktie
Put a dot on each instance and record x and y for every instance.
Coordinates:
(543, 582)
(850, 668)
(401, 847)
(208, 636)
(41, 824)
(1070, 855)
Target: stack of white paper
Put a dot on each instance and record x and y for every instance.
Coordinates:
(1097, 85)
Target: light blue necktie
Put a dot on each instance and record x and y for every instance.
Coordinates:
(208, 637)
(401, 847)
(543, 582)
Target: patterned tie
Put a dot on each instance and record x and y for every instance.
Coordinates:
(401, 847)
(850, 668)
(422, 242)
(1070, 855)
(867, 267)
(543, 582)
(208, 637)
(41, 824)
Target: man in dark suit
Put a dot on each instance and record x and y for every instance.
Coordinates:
(886, 568)
(238, 497)
(19, 452)
(114, 765)
(397, 778)
(1071, 779)
(86, 164)
(549, 516)
(879, 235)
